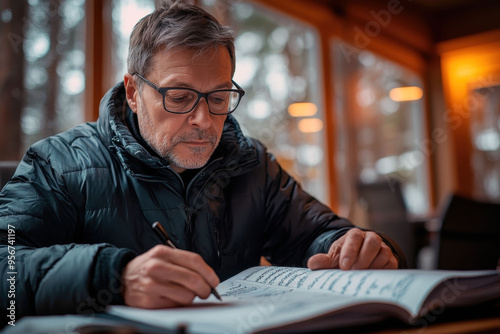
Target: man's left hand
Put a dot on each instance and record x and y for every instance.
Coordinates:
(356, 249)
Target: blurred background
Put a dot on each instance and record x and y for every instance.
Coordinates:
(382, 109)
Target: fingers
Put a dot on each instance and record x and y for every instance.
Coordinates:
(148, 293)
(353, 241)
(356, 249)
(187, 260)
(359, 250)
(165, 277)
(366, 250)
(385, 259)
(171, 275)
(327, 261)
(322, 261)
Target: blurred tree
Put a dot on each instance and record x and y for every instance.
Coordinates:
(51, 61)
(13, 15)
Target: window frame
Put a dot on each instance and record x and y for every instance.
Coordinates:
(344, 24)
(329, 25)
(98, 23)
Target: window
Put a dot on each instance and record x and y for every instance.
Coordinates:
(485, 133)
(46, 40)
(125, 14)
(46, 67)
(471, 77)
(380, 126)
(277, 61)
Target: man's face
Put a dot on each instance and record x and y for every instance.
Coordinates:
(186, 140)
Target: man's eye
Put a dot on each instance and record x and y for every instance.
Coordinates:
(218, 98)
(178, 97)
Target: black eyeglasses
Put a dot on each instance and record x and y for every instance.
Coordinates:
(181, 100)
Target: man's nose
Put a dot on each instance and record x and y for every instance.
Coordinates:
(200, 116)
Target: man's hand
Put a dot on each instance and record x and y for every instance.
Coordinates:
(165, 277)
(356, 249)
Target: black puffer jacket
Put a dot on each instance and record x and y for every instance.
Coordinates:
(81, 205)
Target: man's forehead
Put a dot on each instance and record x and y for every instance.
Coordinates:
(180, 67)
(192, 55)
(191, 58)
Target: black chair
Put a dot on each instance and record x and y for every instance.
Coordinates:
(387, 213)
(469, 236)
(7, 169)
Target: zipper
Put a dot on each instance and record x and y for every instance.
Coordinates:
(189, 219)
(201, 173)
(189, 211)
(217, 241)
(214, 227)
(211, 176)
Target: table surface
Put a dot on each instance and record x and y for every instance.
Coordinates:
(482, 320)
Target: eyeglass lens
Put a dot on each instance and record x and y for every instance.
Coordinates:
(183, 100)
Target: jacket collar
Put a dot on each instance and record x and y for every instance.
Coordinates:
(235, 150)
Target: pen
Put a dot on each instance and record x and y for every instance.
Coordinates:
(164, 235)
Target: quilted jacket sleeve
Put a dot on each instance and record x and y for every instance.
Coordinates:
(49, 272)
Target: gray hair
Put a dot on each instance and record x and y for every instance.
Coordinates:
(176, 25)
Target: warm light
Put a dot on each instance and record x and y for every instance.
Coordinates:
(310, 125)
(406, 94)
(302, 109)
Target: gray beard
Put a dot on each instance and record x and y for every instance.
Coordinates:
(166, 151)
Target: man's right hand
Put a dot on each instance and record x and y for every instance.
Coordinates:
(164, 277)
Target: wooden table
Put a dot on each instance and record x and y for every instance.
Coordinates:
(484, 320)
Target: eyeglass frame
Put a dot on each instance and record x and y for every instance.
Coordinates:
(163, 91)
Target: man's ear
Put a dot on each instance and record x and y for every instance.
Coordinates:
(131, 91)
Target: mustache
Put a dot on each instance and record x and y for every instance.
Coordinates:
(196, 134)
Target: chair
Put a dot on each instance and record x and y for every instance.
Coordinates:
(469, 236)
(387, 213)
(7, 169)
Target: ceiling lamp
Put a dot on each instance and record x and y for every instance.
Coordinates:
(411, 93)
(302, 109)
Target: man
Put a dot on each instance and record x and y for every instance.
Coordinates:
(166, 149)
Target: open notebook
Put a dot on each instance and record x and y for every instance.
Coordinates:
(274, 299)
